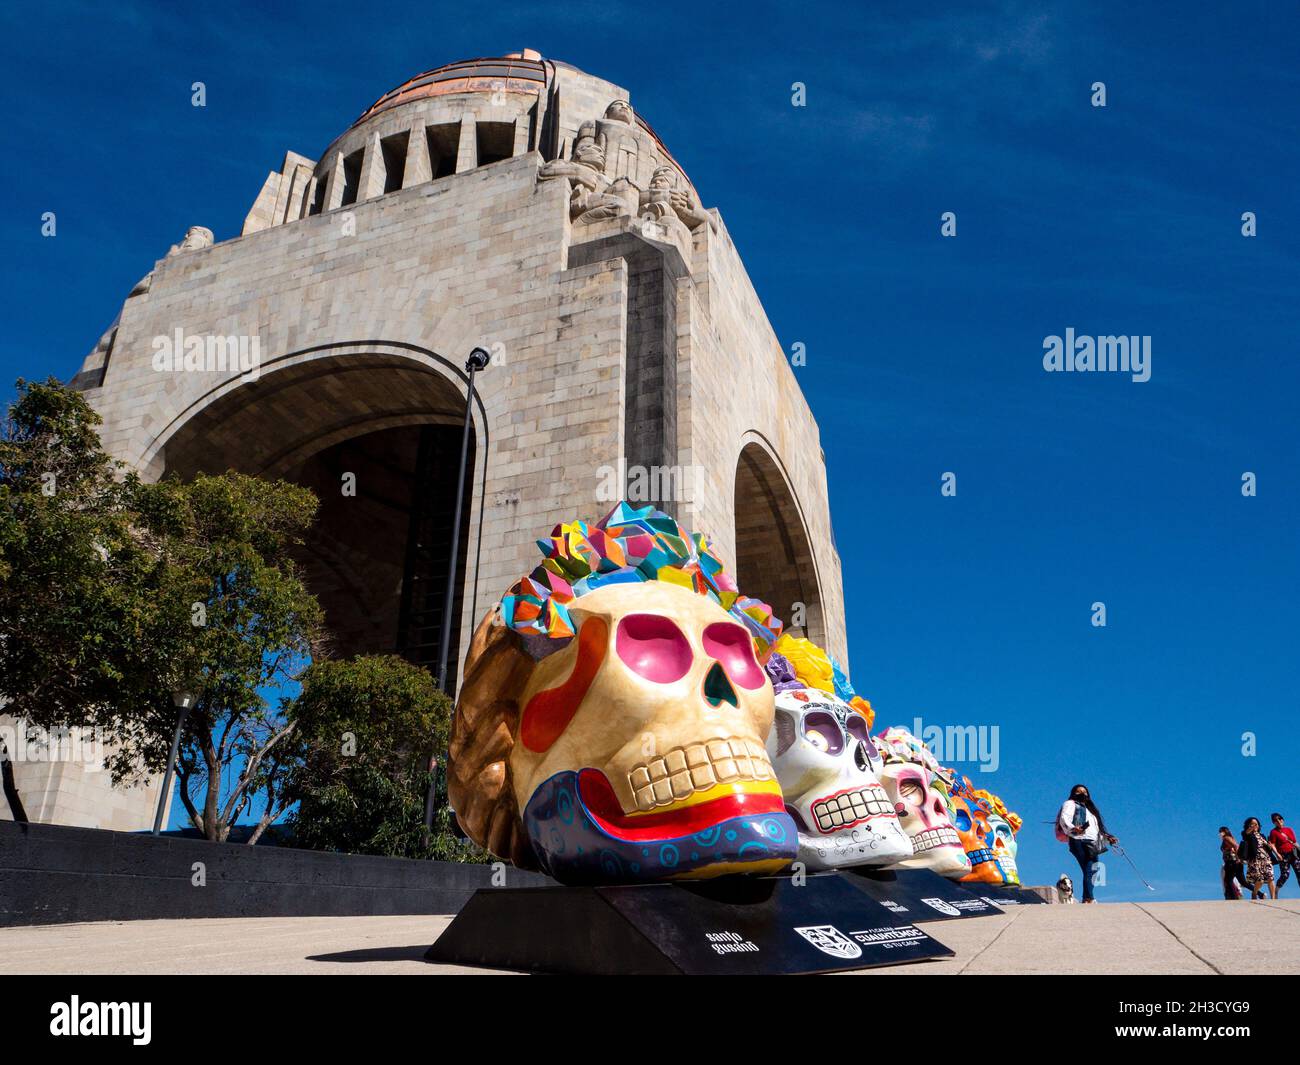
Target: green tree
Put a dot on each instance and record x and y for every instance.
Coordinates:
(373, 729)
(252, 628)
(83, 641)
(115, 593)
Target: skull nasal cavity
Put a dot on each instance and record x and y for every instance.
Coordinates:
(717, 689)
(654, 647)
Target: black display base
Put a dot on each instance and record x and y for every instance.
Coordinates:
(1006, 895)
(734, 925)
(918, 894)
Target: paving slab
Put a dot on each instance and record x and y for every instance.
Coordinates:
(1116, 938)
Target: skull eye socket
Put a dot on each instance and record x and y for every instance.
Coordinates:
(653, 647)
(823, 732)
(963, 821)
(866, 755)
(731, 645)
(912, 791)
(856, 726)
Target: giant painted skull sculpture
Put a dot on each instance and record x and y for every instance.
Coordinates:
(826, 762)
(912, 778)
(970, 815)
(1003, 826)
(634, 753)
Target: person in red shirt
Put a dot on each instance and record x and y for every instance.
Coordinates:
(1283, 840)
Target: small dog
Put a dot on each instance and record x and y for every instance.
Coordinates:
(1065, 886)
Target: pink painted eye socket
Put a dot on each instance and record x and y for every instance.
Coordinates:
(653, 647)
(731, 645)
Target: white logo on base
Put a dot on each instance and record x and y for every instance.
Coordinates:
(830, 940)
(942, 907)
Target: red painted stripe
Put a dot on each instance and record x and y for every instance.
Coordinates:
(604, 807)
(549, 712)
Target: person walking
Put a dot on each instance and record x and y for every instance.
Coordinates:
(1232, 871)
(1258, 855)
(1080, 825)
(1283, 841)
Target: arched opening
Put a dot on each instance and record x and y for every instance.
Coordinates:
(774, 559)
(377, 437)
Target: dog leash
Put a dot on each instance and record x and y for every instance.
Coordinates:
(1124, 855)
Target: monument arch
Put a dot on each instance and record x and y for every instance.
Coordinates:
(775, 561)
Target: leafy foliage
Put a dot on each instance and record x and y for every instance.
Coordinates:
(115, 593)
(85, 637)
(372, 726)
(227, 550)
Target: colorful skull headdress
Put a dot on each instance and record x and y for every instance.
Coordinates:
(613, 714)
(921, 793)
(799, 663)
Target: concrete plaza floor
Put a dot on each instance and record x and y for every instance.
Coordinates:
(1168, 937)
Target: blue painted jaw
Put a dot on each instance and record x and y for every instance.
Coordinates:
(574, 848)
(987, 855)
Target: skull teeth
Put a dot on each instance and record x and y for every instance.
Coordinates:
(943, 836)
(849, 807)
(695, 767)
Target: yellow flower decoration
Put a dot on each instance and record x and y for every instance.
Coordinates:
(810, 663)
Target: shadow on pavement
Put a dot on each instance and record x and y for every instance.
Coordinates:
(415, 953)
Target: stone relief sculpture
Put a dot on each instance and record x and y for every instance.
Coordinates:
(607, 157)
(196, 237)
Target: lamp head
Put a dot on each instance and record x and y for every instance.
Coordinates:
(478, 360)
(183, 700)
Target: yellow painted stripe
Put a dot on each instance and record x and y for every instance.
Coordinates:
(718, 791)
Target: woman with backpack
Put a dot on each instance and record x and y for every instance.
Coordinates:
(1080, 825)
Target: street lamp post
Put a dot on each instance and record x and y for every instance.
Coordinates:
(182, 701)
(478, 360)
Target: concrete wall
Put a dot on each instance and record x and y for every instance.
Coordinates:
(50, 874)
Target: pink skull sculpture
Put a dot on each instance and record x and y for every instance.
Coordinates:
(915, 783)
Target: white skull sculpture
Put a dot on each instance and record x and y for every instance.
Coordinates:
(822, 752)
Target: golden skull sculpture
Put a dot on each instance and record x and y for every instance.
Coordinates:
(633, 750)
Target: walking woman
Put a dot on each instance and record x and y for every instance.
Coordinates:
(1258, 855)
(1080, 825)
(1232, 870)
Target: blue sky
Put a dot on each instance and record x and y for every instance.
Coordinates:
(924, 353)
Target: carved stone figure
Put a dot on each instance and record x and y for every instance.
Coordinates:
(666, 199)
(586, 168)
(607, 158)
(196, 238)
